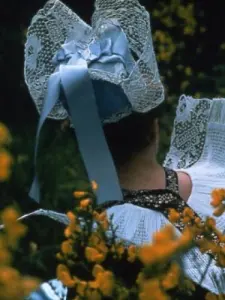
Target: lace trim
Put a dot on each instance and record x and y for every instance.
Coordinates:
(189, 132)
(160, 200)
(56, 23)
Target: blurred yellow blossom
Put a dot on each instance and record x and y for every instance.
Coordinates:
(5, 136)
(12, 284)
(67, 247)
(218, 201)
(80, 194)
(81, 287)
(218, 195)
(14, 229)
(173, 216)
(94, 185)
(5, 165)
(84, 204)
(105, 281)
(132, 253)
(93, 255)
(102, 219)
(188, 71)
(172, 277)
(63, 274)
(152, 287)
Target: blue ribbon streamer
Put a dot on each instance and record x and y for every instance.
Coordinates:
(109, 54)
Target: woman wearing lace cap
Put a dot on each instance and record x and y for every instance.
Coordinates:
(107, 74)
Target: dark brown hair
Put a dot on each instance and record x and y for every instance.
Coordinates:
(131, 134)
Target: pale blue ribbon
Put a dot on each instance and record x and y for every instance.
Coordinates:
(72, 84)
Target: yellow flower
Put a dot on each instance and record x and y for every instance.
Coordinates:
(67, 247)
(151, 290)
(174, 216)
(8, 274)
(188, 212)
(172, 278)
(63, 274)
(132, 253)
(9, 216)
(164, 235)
(84, 204)
(73, 226)
(97, 269)
(5, 159)
(186, 239)
(94, 185)
(94, 255)
(186, 220)
(29, 285)
(15, 232)
(94, 239)
(210, 223)
(218, 195)
(80, 194)
(153, 254)
(188, 71)
(5, 165)
(71, 217)
(81, 287)
(5, 256)
(5, 137)
(106, 282)
(98, 243)
(163, 247)
(102, 219)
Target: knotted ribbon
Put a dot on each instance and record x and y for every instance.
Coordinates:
(71, 84)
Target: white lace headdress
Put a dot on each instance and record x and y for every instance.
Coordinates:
(93, 74)
(56, 23)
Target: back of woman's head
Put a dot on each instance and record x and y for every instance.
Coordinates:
(132, 134)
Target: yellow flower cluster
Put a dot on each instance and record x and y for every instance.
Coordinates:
(101, 286)
(5, 157)
(218, 201)
(166, 46)
(13, 284)
(165, 245)
(205, 231)
(87, 244)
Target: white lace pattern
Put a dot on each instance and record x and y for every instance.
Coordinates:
(55, 23)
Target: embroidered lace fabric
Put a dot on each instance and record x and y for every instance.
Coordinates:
(55, 23)
(189, 132)
(159, 200)
(204, 161)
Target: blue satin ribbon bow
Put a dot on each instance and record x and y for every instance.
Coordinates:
(72, 85)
